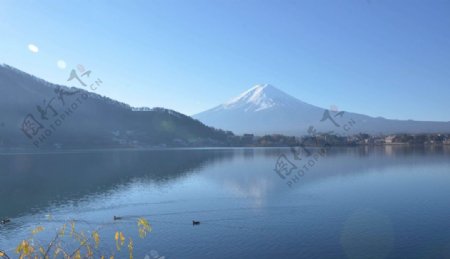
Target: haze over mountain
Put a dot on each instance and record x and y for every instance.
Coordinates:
(72, 117)
(264, 109)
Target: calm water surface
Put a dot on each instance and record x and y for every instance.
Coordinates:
(384, 202)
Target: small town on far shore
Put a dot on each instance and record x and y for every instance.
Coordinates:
(352, 140)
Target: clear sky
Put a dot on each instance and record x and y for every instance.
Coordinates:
(380, 58)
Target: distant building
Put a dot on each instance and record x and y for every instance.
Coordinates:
(369, 141)
(378, 141)
(390, 139)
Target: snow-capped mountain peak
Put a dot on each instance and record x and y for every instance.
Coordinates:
(259, 97)
(264, 109)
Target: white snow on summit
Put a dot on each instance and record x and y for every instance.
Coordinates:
(258, 98)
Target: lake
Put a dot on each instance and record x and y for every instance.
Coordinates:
(359, 202)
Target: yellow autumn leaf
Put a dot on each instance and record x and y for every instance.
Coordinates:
(24, 248)
(130, 248)
(144, 227)
(120, 239)
(89, 251)
(37, 230)
(72, 230)
(62, 231)
(96, 238)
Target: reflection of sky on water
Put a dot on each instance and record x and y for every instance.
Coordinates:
(237, 196)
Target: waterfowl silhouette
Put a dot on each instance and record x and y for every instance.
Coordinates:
(195, 222)
(117, 218)
(4, 221)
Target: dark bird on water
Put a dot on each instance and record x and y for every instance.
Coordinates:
(4, 221)
(117, 218)
(195, 222)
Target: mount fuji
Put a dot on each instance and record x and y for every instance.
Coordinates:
(264, 109)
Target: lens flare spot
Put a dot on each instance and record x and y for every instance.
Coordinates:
(33, 48)
(61, 64)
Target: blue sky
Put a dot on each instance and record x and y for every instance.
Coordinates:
(380, 58)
